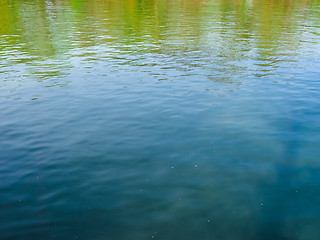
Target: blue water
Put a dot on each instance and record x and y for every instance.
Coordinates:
(159, 120)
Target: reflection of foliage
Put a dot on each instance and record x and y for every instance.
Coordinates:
(223, 31)
(38, 32)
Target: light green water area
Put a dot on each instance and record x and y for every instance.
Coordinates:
(160, 119)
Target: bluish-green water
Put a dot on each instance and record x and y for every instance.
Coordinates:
(156, 119)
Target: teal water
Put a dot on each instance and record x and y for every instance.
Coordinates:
(159, 119)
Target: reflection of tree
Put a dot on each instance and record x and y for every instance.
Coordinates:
(230, 36)
(225, 33)
(41, 33)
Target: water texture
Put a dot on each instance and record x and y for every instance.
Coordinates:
(160, 119)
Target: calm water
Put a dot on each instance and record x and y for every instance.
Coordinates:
(158, 119)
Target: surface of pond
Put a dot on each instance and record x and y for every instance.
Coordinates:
(160, 119)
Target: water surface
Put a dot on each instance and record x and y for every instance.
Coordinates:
(158, 119)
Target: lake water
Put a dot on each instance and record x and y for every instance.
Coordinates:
(160, 119)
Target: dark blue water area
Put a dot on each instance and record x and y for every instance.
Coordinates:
(125, 156)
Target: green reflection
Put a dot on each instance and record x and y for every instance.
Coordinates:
(44, 34)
